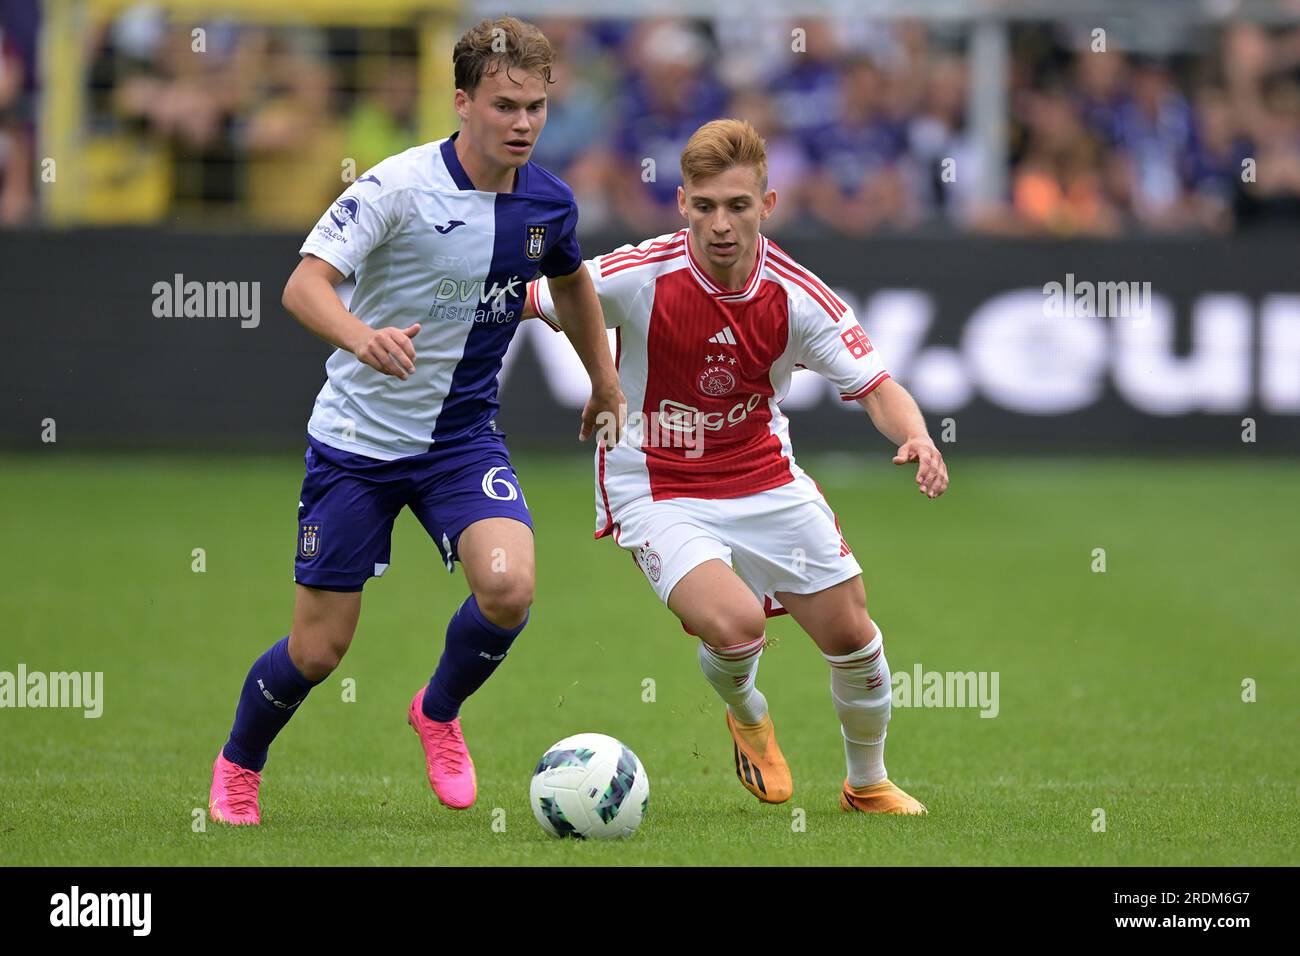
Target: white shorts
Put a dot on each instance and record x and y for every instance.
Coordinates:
(784, 539)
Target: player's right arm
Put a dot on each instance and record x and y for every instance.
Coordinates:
(310, 298)
(370, 211)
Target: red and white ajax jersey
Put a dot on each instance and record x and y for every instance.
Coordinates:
(704, 369)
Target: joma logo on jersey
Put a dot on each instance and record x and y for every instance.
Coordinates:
(536, 240)
(676, 417)
(461, 291)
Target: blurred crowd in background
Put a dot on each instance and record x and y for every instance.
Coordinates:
(866, 122)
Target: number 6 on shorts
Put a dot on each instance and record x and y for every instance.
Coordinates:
(498, 488)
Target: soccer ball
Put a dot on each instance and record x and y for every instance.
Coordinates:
(589, 785)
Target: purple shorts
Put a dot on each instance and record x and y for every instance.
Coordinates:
(349, 503)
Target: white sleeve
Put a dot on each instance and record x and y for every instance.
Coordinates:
(617, 279)
(539, 295)
(361, 220)
(836, 348)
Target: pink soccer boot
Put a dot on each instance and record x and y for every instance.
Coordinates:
(446, 758)
(233, 798)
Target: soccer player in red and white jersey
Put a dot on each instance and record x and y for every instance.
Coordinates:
(703, 488)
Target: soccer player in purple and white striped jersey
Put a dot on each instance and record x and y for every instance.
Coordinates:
(443, 240)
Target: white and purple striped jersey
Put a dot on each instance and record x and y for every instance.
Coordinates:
(428, 247)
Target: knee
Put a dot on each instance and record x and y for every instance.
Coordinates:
(315, 659)
(851, 634)
(506, 602)
(729, 627)
(323, 625)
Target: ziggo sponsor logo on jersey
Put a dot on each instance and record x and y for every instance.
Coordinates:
(676, 417)
(675, 425)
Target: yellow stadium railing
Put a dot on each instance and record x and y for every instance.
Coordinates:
(115, 177)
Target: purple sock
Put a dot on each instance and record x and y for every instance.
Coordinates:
(272, 692)
(475, 647)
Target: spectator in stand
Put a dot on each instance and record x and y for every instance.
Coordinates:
(1274, 198)
(1057, 188)
(191, 98)
(857, 185)
(1217, 164)
(294, 140)
(1100, 80)
(578, 118)
(17, 200)
(1157, 137)
(787, 163)
(669, 95)
(1264, 98)
(382, 123)
(806, 94)
(939, 144)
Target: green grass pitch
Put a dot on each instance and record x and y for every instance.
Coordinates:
(1119, 691)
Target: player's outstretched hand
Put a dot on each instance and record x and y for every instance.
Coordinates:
(389, 350)
(605, 414)
(932, 472)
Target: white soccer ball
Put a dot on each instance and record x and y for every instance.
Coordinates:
(589, 785)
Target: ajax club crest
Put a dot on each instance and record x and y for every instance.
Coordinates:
(536, 241)
(717, 379)
(651, 563)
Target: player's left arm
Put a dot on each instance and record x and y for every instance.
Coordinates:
(827, 338)
(577, 309)
(896, 416)
(574, 299)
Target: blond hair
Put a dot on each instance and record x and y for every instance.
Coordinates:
(718, 146)
(506, 42)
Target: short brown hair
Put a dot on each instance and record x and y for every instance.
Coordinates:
(491, 45)
(718, 146)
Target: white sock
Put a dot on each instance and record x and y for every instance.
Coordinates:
(861, 691)
(731, 671)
